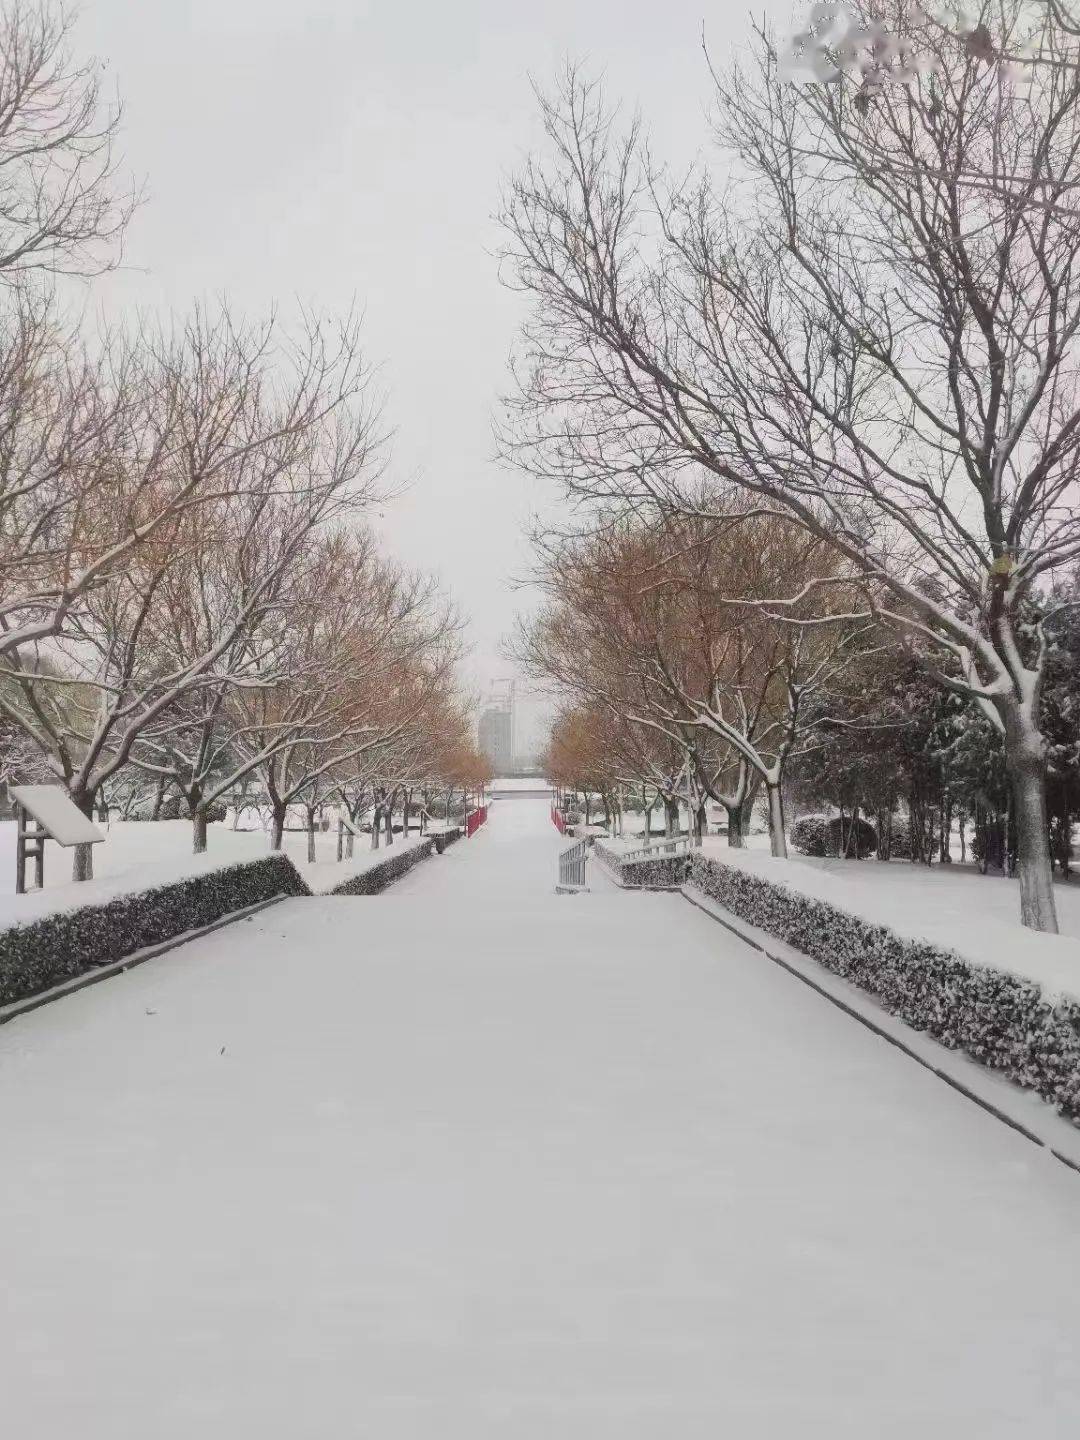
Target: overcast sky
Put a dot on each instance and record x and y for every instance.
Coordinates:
(326, 149)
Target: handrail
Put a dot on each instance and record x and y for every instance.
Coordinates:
(680, 844)
(572, 864)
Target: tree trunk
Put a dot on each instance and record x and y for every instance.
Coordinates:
(159, 798)
(777, 838)
(884, 835)
(1066, 835)
(735, 826)
(310, 835)
(1025, 761)
(376, 825)
(82, 859)
(390, 823)
(198, 823)
(277, 824)
(945, 838)
(915, 828)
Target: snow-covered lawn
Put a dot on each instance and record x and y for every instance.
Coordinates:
(474, 1160)
(139, 856)
(952, 905)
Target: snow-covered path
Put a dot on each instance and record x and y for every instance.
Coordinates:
(470, 1160)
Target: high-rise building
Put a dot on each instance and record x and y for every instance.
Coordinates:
(497, 738)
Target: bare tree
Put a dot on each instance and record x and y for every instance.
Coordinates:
(370, 648)
(63, 208)
(664, 623)
(864, 344)
(279, 444)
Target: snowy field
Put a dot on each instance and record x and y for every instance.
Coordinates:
(141, 855)
(473, 1160)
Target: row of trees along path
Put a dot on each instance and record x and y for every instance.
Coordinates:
(864, 320)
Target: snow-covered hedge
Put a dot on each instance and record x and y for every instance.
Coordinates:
(664, 872)
(378, 877)
(1003, 1021)
(58, 947)
(443, 838)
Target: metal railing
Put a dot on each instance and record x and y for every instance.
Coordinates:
(678, 845)
(572, 864)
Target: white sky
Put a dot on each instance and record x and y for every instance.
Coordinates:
(331, 149)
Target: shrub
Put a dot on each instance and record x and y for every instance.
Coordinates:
(900, 847)
(999, 1019)
(828, 835)
(46, 952)
(808, 835)
(664, 872)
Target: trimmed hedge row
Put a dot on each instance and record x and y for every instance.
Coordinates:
(370, 882)
(665, 872)
(46, 952)
(1000, 1020)
(444, 838)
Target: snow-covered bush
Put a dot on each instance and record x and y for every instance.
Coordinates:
(900, 838)
(36, 956)
(378, 877)
(1001, 1020)
(829, 835)
(808, 835)
(443, 838)
(663, 872)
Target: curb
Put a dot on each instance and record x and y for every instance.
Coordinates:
(749, 935)
(137, 957)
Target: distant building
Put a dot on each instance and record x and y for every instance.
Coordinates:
(497, 738)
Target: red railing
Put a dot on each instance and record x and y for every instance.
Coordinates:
(474, 820)
(557, 820)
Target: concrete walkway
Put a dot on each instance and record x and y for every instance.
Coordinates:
(473, 1160)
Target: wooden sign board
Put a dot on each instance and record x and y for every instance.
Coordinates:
(55, 811)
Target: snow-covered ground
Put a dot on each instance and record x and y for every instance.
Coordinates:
(473, 1160)
(139, 856)
(951, 905)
